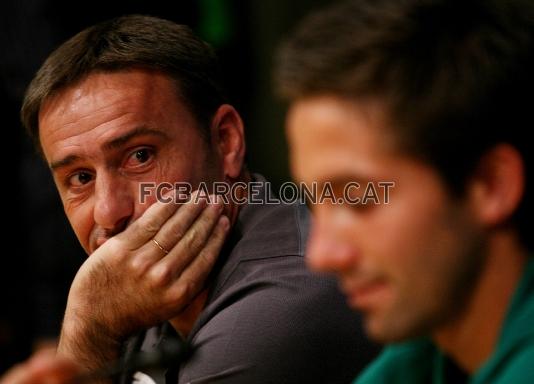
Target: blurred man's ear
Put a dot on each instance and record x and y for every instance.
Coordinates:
(228, 138)
(498, 185)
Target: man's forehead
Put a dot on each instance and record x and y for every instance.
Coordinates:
(99, 87)
(333, 119)
(122, 98)
(328, 133)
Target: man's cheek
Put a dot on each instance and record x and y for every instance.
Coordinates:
(140, 208)
(82, 223)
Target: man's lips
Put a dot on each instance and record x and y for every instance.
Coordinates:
(366, 295)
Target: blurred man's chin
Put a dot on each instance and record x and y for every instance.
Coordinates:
(377, 333)
(388, 330)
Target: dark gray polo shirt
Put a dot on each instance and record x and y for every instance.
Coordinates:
(268, 319)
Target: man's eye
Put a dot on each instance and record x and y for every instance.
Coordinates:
(139, 156)
(80, 178)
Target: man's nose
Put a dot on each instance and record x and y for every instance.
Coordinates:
(114, 202)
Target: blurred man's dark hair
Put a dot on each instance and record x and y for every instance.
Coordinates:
(456, 77)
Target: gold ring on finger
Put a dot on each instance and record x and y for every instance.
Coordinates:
(160, 246)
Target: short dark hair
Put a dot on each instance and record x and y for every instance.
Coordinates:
(128, 42)
(456, 77)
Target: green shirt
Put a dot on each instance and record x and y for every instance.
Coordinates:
(512, 362)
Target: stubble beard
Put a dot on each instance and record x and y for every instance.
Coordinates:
(443, 307)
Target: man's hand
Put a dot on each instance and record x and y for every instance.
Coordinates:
(133, 282)
(42, 368)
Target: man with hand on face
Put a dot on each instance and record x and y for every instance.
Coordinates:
(138, 99)
(436, 97)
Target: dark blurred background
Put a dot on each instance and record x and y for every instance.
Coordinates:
(40, 253)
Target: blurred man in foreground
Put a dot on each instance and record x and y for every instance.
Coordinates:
(138, 100)
(436, 97)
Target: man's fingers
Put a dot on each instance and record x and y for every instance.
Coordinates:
(144, 228)
(192, 279)
(185, 218)
(156, 216)
(188, 247)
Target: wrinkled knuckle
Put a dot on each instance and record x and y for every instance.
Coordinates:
(178, 232)
(116, 248)
(150, 225)
(192, 239)
(138, 266)
(207, 257)
(160, 276)
(183, 293)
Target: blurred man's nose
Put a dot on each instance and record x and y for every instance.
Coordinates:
(114, 202)
(331, 248)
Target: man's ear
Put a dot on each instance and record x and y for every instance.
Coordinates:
(228, 138)
(498, 185)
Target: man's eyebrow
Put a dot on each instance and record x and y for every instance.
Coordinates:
(68, 160)
(342, 180)
(112, 144)
(139, 131)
